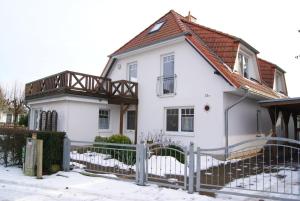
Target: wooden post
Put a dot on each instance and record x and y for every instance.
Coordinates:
(39, 161)
(286, 118)
(121, 119)
(136, 123)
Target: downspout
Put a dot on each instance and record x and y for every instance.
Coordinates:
(226, 119)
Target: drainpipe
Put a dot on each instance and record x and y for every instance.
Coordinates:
(226, 118)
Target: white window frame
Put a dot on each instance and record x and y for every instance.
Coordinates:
(241, 69)
(160, 80)
(109, 120)
(156, 27)
(32, 121)
(128, 70)
(179, 132)
(129, 130)
(281, 79)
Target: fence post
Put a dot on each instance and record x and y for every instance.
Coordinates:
(66, 154)
(140, 164)
(191, 168)
(198, 174)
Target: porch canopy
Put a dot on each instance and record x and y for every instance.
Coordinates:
(288, 107)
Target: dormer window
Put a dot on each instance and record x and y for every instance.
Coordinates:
(279, 84)
(243, 65)
(156, 27)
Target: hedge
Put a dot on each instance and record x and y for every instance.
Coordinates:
(123, 154)
(13, 140)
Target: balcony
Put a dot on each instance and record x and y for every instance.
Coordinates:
(74, 83)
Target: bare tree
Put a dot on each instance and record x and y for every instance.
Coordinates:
(14, 100)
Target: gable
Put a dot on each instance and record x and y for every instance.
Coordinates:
(169, 29)
(218, 48)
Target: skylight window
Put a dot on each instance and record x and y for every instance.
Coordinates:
(156, 27)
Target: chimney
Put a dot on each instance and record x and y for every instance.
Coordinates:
(191, 18)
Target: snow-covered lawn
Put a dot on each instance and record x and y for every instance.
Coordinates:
(66, 186)
(157, 165)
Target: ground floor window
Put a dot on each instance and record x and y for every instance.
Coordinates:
(8, 118)
(180, 119)
(104, 119)
(131, 120)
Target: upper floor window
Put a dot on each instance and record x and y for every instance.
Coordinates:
(132, 72)
(168, 74)
(104, 119)
(243, 65)
(279, 82)
(156, 27)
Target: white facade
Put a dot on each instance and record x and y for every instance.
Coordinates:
(197, 86)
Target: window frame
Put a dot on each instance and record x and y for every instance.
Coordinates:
(109, 117)
(129, 70)
(179, 131)
(130, 130)
(241, 69)
(156, 27)
(161, 78)
(279, 75)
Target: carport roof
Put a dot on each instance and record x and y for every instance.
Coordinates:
(287, 104)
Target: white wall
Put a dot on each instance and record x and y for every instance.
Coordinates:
(242, 121)
(77, 116)
(197, 85)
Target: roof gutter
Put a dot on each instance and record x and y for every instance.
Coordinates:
(226, 118)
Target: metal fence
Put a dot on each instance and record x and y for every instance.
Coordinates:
(264, 167)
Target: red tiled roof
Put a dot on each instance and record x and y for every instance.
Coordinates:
(171, 27)
(224, 45)
(219, 49)
(267, 72)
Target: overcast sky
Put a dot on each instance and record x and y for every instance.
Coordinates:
(39, 37)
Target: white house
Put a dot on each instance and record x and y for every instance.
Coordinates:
(176, 80)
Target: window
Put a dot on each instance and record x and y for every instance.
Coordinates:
(172, 119)
(156, 27)
(298, 121)
(131, 120)
(36, 119)
(243, 65)
(183, 124)
(132, 72)
(8, 118)
(168, 74)
(187, 120)
(279, 82)
(104, 119)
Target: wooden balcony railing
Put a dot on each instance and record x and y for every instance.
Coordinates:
(80, 84)
(124, 88)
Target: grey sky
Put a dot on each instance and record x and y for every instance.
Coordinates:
(39, 38)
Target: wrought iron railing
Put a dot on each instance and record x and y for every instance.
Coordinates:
(166, 85)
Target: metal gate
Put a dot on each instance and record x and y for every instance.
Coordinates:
(264, 168)
(106, 159)
(166, 165)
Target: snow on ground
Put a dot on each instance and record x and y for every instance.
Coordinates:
(157, 165)
(286, 182)
(65, 186)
